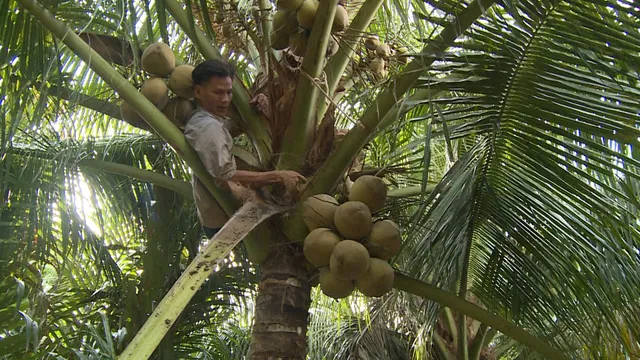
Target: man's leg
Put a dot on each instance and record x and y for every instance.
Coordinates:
(210, 232)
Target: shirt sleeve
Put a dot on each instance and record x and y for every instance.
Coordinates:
(212, 142)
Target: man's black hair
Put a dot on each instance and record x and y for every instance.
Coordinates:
(211, 68)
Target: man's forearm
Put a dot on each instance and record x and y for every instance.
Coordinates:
(255, 179)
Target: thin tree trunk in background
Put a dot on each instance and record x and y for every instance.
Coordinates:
(282, 307)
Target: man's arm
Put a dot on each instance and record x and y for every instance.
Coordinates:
(259, 179)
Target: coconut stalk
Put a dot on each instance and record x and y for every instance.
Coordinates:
(158, 324)
(338, 62)
(181, 187)
(430, 292)
(369, 124)
(302, 123)
(255, 126)
(155, 118)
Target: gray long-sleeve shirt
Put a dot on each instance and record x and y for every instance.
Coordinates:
(209, 136)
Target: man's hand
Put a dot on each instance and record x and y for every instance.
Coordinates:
(261, 103)
(290, 179)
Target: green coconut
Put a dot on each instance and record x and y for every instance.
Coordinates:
(285, 22)
(178, 111)
(307, 13)
(298, 43)
(378, 280)
(180, 81)
(385, 239)
(340, 20)
(383, 50)
(158, 59)
(288, 4)
(130, 115)
(318, 211)
(353, 220)
(401, 55)
(377, 65)
(156, 91)
(370, 190)
(334, 287)
(318, 246)
(349, 260)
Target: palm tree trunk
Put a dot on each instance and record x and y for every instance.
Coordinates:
(282, 307)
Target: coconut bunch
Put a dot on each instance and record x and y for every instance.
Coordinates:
(381, 54)
(160, 63)
(292, 25)
(350, 248)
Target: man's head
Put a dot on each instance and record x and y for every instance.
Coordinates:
(213, 81)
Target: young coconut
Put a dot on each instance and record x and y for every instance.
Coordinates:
(318, 211)
(318, 246)
(383, 50)
(334, 287)
(349, 260)
(288, 4)
(385, 240)
(371, 42)
(340, 20)
(156, 90)
(377, 65)
(158, 59)
(285, 22)
(401, 55)
(132, 117)
(180, 81)
(370, 190)
(307, 13)
(353, 220)
(298, 43)
(378, 280)
(178, 110)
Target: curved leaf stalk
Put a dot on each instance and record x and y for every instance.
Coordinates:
(338, 62)
(479, 341)
(302, 123)
(156, 119)
(218, 247)
(441, 346)
(90, 102)
(369, 123)
(167, 182)
(451, 324)
(256, 128)
(430, 292)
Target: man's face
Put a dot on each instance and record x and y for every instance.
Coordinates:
(215, 95)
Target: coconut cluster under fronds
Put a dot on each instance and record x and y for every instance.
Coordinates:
(381, 54)
(292, 25)
(351, 250)
(160, 63)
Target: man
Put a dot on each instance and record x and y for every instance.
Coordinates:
(207, 130)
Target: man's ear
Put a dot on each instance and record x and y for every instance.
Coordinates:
(197, 91)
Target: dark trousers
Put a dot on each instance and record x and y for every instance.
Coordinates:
(210, 232)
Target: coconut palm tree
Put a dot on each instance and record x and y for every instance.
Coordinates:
(507, 132)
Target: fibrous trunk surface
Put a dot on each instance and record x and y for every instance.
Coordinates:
(282, 307)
